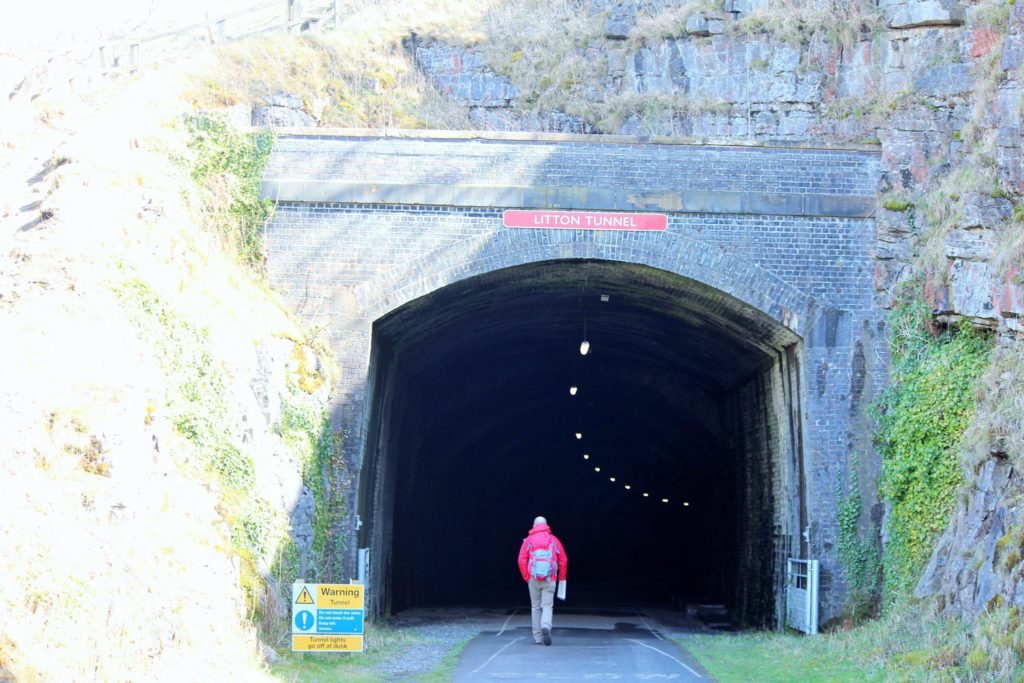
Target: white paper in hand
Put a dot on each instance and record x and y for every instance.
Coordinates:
(561, 590)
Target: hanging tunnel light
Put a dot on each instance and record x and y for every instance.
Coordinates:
(628, 487)
(664, 500)
(597, 469)
(686, 504)
(586, 456)
(579, 435)
(611, 478)
(646, 495)
(573, 390)
(584, 347)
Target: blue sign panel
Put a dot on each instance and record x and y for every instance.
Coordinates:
(339, 621)
(304, 620)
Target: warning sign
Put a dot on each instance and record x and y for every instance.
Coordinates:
(332, 621)
(327, 643)
(339, 596)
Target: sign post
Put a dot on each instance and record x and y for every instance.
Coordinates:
(327, 617)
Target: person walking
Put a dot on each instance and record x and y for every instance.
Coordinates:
(543, 563)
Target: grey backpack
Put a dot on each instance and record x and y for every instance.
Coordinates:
(543, 562)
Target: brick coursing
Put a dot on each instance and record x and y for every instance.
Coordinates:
(346, 264)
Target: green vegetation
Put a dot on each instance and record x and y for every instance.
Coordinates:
(1009, 256)
(446, 668)
(797, 22)
(858, 554)
(549, 61)
(306, 429)
(777, 658)
(911, 642)
(197, 405)
(359, 76)
(999, 426)
(227, 166)
(659, 22)
(922, 417)
(896, 202)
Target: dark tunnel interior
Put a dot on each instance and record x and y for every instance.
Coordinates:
(642, 473)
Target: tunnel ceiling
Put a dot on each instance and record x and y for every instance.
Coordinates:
(506, 345)
(532, 318)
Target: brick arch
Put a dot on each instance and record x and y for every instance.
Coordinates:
(700, 261)
(783, 237)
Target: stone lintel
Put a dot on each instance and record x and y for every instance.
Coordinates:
(580, 198)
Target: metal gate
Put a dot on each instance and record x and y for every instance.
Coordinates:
(802, 595)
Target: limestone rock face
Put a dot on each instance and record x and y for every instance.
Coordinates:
(621, 17)
(981, 210)
(700, 24)
(282, 110)
(464, 76)
(968, 568)
(918, 13)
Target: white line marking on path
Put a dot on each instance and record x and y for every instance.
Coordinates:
(682, 664)
(505, 625)
(489, 659)
(647, 626)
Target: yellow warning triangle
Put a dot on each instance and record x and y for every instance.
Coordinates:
(304, 598)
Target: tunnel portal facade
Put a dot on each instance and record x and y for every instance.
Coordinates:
(714, 422)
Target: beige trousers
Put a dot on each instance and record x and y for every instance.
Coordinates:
(542, 599)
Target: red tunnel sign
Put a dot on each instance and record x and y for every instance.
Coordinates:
(584, 220)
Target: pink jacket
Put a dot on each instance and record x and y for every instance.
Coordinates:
(540, 536)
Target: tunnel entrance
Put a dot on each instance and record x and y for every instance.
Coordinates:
(674, 473)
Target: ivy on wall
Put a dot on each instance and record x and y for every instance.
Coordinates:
(921, 420)
(305, 427)
(198, 407)
(859, 554)
(227, 165)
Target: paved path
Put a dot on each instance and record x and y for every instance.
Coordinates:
(587, 646)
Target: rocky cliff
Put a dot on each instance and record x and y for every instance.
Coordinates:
(935, 84)
(90, 425)
(160, 414)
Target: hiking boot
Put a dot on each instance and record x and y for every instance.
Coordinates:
(547, 635)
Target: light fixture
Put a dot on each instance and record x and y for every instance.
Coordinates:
(611, 478)
(579, 435)
(584, 347)
(573, 390)
(664, 500)
(586, 456)
(646, 494)
(686, 504)
(604, 298)
(628, 487)
(597, 469)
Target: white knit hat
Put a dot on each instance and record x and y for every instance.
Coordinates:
(539, 520)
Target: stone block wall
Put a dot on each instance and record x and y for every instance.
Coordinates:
(934, 83)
